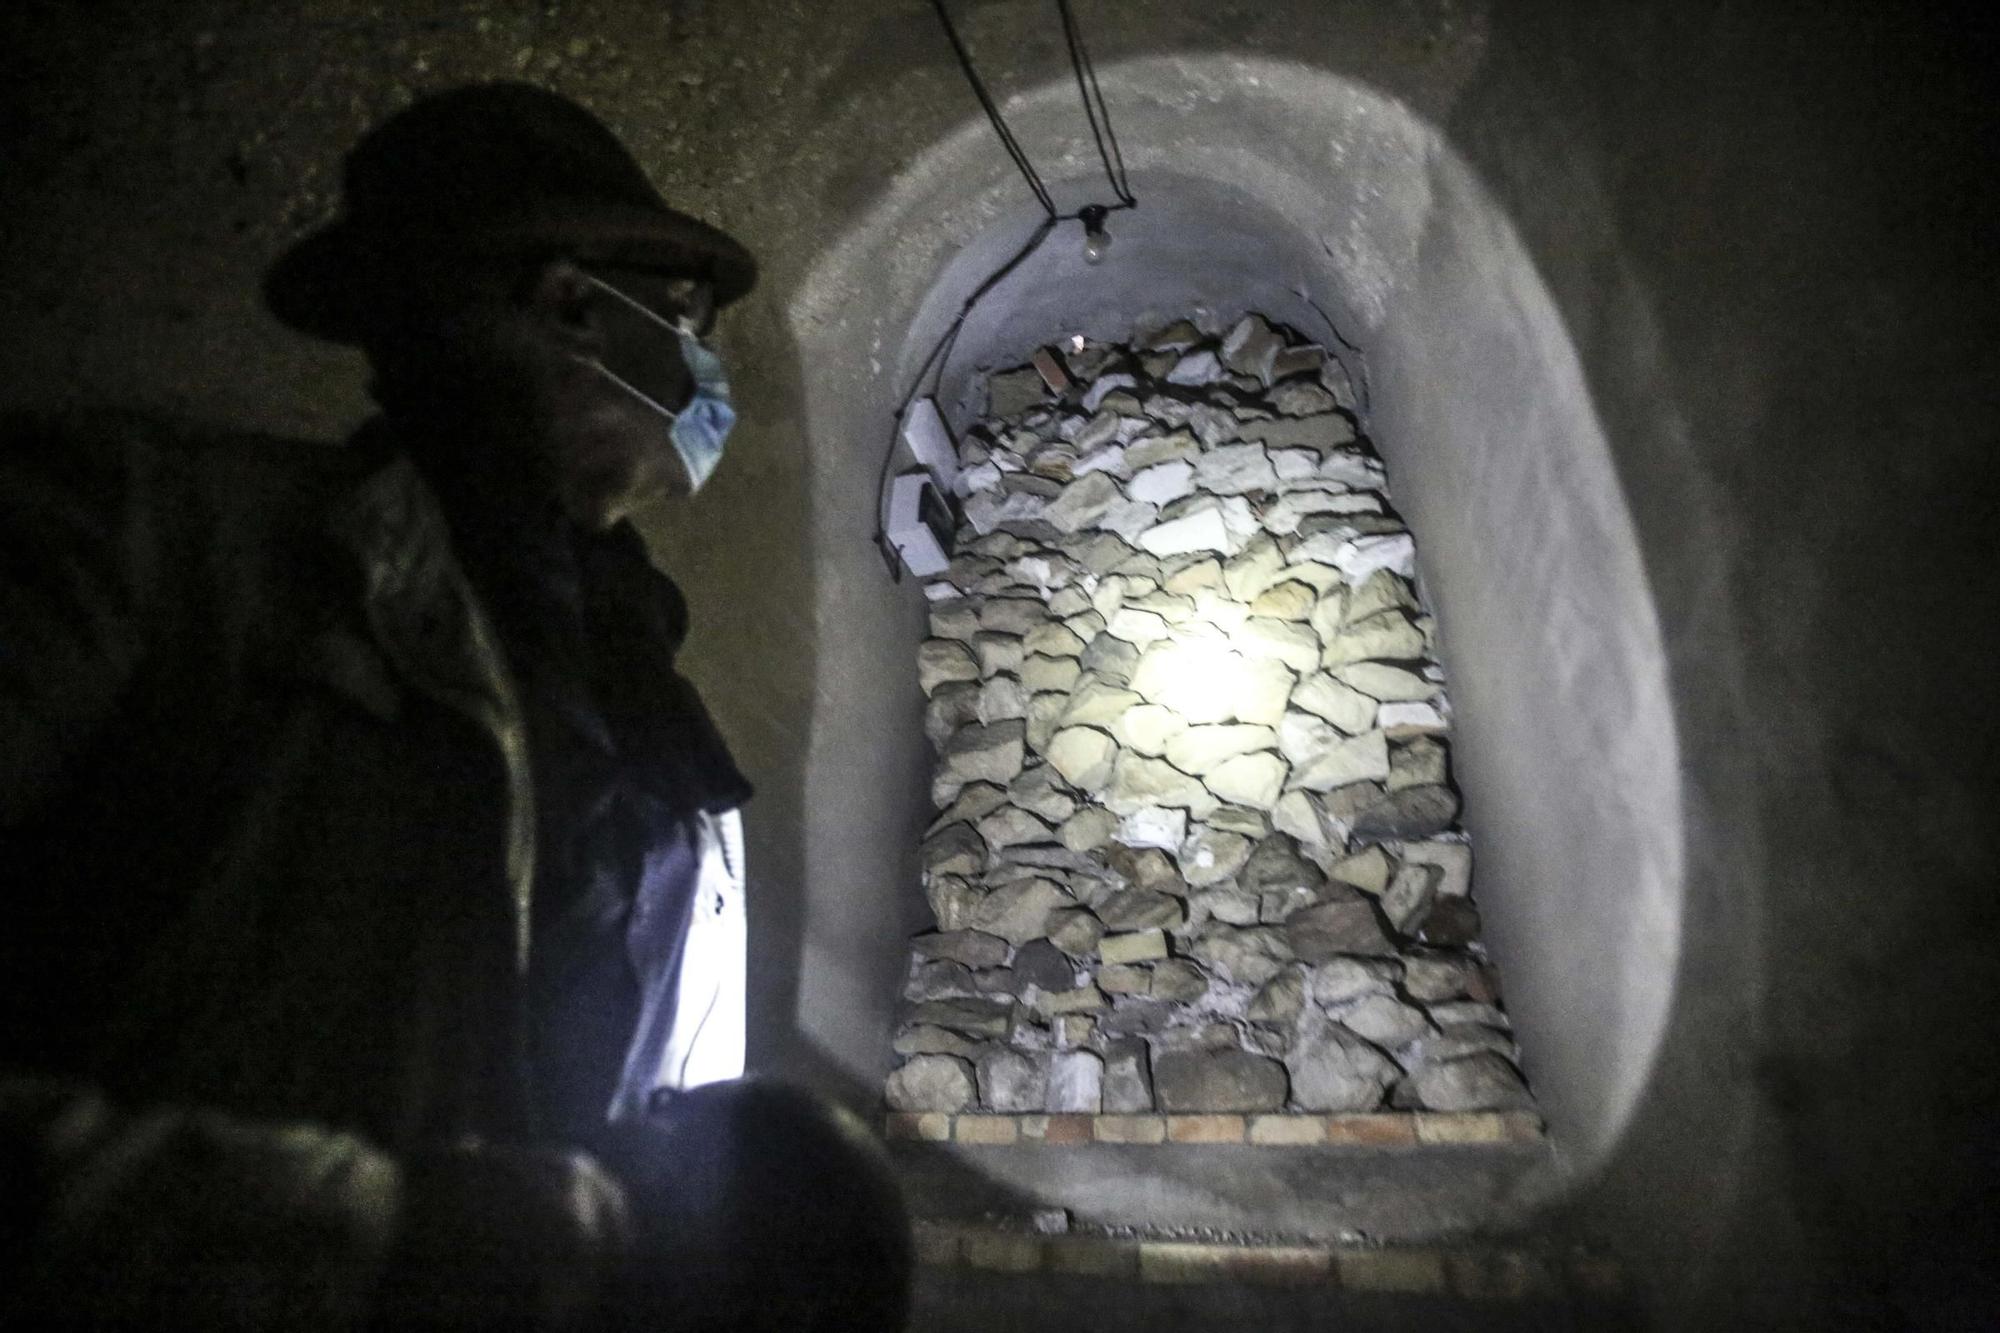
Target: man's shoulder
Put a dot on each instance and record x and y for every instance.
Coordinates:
(122, 458)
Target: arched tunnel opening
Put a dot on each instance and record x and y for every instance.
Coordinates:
(1334, 211)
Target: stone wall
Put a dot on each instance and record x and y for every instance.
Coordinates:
(1197, 846)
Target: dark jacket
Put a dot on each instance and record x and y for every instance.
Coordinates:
(267, 831)
(266, 813)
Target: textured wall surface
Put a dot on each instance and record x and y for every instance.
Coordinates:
(1757, 249)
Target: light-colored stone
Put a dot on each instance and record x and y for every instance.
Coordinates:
(1178, 444)
(1235, 469)
(1199, 750)
(1207, 683)
(1018, 911)
(1453, 861)
(1076, 1083)
(952, 899)
(988, 510)
(1137, 783)
(942, 660)
(1178, 980)
(1380, 591)
(1253, 569)
(1074, 930)
(1010, 1081)
(1247, 955)
(1084, 999)
(1384, 1020)
(1013, 615)
(928, 1040)
(993, 753)
(1363, 758)
(1162, 483)
(1053, 639)
(1340, 980)
(1281, 1000)
(1407, 900)
(1401, 720)
(1136, 626)
(1203, 531)
(1332, 1070)
(1097, 703)
(1366, 870)
(1297, 813)
(1303, 737)
(1251, 347)
(998, 654)
(1212, 855)
(1254, 780)
(1041, 675)
(1301, 398)
(1139, 946)
(1289, 641)
(1387, 683)
(1154, 827)
(1342, 705)
(1001, 699)
(1361, 556)
(1090, 827)
(1391, 636)
(1422, 762)
(975, 801)
(1011, 825)
(1229, 905)
(1322, 434)
(1084, 756)
(1139, 909)
(931, 1083)
(1124, 979)
(1039, 790)
(1290, 600)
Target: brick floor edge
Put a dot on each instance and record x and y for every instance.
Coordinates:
(1477, 1272)
(1373, 1130)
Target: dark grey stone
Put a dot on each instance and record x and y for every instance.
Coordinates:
(1482, 1082)
(1319, 934)
(1413, 812)
(1192, 1081)
(1128, 1078)
(974, 948)
(1041, 965)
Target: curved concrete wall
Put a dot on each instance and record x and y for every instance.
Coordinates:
(1278, 188)
(1767, 240)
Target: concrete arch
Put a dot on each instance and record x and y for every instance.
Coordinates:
(1284, 188)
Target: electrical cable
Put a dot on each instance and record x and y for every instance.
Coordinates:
(940, 355)
(1099, 115)
(999, 122)
(1094, 106)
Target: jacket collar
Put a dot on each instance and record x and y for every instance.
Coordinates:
(427, 620)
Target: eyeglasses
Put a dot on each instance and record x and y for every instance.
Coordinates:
(687, 303)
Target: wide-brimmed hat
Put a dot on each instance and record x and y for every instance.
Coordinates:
(488, 171)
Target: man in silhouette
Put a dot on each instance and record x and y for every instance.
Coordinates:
(373, 936)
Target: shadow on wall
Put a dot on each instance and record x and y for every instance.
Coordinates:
(1284, 189)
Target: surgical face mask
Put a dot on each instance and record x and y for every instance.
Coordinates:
(700, 428)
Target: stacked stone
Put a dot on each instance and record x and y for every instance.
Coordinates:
(1197, 847)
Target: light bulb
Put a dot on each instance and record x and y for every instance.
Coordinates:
(1096, 240)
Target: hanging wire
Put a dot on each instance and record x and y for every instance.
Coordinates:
(1099, 115)
(999, 122)
(934, 366)
(1094, 107)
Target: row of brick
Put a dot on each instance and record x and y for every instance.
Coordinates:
(1476, 1273)
(1389, 1130)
